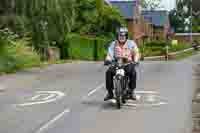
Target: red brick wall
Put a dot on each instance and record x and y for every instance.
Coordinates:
(135, 31)
(130, 27)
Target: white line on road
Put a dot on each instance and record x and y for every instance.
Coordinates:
(146, 104)
(49, 97)
(37, 96)
(2, 88)
(102, 85)
(48, 124)
(96, 89)
(146, 92)
(40, 102)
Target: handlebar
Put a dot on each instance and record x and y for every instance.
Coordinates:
(114, 63)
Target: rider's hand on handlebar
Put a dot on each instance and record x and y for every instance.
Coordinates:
(137, 63)
(107, 62)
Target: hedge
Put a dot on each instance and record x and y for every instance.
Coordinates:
(157, 48)
(78, 47)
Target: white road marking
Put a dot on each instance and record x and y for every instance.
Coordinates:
(145, 104)
(139, 94)
(2, 88)
(48, 124)
(94, 90)
(37, 96)
(34, 103)
(146, 92)
(102, 85)
(138, 97)
(59, 93)
(145, 99)
(51, 97)
(152, 98)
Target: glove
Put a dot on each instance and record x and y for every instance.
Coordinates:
(107, 62)
(137, 63)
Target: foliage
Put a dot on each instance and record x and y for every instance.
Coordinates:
(48, 22)
(157, 48)
(96, 18)
(84, 47)
(180, 16)
(16, 56)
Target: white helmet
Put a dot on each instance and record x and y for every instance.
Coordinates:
(122, 31)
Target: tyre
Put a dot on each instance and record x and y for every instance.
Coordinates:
(118, 104)
(123, 100)
(118, 93)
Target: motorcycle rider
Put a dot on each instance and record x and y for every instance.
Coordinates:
(122, 47)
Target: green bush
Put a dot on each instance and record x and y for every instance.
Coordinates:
(154, 51)
(156, 44)
(179, 47)
(84, 48)
(102, 45)
(17, 56)
(157, 48)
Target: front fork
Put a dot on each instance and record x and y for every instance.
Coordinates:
(124, 85)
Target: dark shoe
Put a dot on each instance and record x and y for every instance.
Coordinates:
(132, 96)
(108, 97)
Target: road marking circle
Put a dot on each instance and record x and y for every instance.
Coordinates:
(42, 97)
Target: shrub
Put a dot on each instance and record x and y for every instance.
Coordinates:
(16, 56)
(179, 47)
(84, 47)
(157, 48)
(156, 44)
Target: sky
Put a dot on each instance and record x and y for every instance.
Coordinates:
(166, 4)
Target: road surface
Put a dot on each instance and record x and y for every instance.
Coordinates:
(68, 98)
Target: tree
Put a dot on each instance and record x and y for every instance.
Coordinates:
(96, 18)
(181, 18)
(176, 21)
(6, 13)
(47, 21)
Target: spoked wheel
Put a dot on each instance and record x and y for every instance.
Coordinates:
(118, 103)
(123, 100)
(124, 90)
(118, 93)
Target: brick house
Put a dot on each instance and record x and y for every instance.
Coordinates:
(142, 24)
(160, 22)
(131, 13)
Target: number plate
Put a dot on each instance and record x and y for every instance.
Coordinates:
(120, 72)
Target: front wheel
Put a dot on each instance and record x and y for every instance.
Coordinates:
(118, 93)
